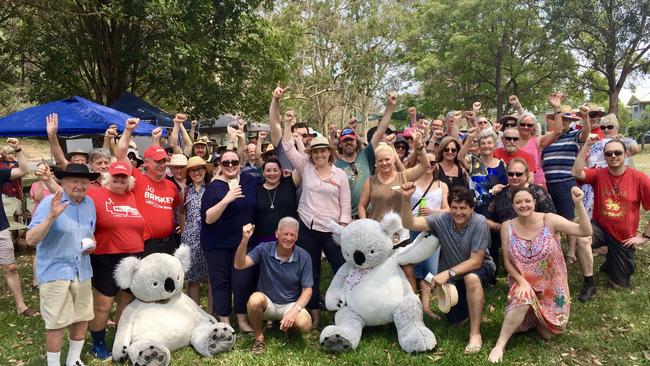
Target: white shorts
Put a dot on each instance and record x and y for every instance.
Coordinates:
(277, 312)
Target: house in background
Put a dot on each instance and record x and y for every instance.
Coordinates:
(637, 104)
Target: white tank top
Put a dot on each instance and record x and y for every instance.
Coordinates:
(433, 197)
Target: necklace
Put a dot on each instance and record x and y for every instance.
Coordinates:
(272, 200)
(616, 182)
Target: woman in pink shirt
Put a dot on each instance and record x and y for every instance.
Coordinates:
(325, 198)
(533, 144)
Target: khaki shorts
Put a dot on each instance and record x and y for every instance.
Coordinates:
(66, 302)
(277, 312)
(6, 248)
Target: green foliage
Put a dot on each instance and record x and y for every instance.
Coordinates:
(484, 50)
(610, 38)
(201, 56)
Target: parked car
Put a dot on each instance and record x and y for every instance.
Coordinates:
(646, 138)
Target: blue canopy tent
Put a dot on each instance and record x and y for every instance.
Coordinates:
(77, 117)
(137, 107)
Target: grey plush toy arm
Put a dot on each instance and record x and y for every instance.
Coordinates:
(335, 296)
(123, 339)
(422, 248)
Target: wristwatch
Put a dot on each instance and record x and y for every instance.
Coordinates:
(452, 273)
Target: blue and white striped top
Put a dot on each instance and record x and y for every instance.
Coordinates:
(558, 158)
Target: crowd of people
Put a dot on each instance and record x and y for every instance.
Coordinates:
(256, 213)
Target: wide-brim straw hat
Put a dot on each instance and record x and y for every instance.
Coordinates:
(178, 160)
(595, 110)
(195, 161)
(447, 297)
(318, 142)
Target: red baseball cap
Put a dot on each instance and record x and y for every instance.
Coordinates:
(348, 133)
(155, 152)
(120, 167)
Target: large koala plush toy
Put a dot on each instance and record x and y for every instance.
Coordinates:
(371, 289)
(162, 318)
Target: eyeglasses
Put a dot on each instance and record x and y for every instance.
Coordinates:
(608, 127)
(609, 154)
(229, 162)
(196, 170)
(527, 125)
(509, 138)
(515, 174)
(450, 150)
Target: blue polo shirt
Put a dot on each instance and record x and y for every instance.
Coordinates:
(282, 281)
(58, 255)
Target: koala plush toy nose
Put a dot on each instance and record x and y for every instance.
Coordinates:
(359, 258)
(169, 285)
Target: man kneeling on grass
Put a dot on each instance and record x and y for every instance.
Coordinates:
(285, 281)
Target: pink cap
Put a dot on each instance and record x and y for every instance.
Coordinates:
(120, 167)
(155, 152)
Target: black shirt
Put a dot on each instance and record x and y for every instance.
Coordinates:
(284, 201)
(5, 176)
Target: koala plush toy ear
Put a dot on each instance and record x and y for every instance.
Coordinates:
(125, 270)
(391, 223)
(336, 230)
(183, 255)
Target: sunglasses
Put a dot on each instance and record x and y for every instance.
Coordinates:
(608, 127)
(508, 138)
(515, 174)
(408, 138)
(609, 154)
(510, 124)
(305, 135)
(449, 150)
(229, 162)
(593, 114)
(483, 122)
(526, 125)
(432, 163)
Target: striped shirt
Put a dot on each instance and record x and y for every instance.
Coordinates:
(558, 158)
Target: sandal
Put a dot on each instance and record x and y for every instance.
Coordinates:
(473, 348)
(258, 347)
(30, 313)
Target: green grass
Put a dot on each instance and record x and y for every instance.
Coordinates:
(614, 329)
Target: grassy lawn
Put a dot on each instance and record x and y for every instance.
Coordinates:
(614, 329)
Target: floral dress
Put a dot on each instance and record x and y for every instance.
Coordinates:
(191, 235)
(541, 263)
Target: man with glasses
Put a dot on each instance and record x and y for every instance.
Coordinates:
(358, 164)
(510, 150)
(619, 193)
(155, 196)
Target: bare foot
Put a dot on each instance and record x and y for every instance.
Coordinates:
(474, 345)
(496, 355)
(431, 314)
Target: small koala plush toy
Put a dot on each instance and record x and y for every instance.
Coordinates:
(162, 318)
(371, 289)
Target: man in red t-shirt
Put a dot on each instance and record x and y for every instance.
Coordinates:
(510, 150)
(155, 196)
(619, 192)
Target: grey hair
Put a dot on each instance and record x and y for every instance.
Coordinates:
(532, 116)
(99, 153)
(288, 220)
(450, 114)
(487, 133)
(106, 178)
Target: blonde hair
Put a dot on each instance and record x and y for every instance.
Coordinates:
(384, 147)
(105, 179)
(6, 149)
(533, 131)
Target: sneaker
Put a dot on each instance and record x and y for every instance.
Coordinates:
(587, 293)
(99, 351)
(258, 347)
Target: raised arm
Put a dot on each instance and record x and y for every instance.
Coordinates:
(408, 221)
(123, 144)
(297, 159)
(561, 225)
(579, 164)
(274, 115)
(242, 261)
(462, 154)
(156, 135)
(555, 101)
(187, 140)
(586, 123)
(193, 126)
(261, 136)
(173, 137)
(109, 139)
(412, 174)
(516, 104)
(36, 234)
(22, 168)
(52, 126)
